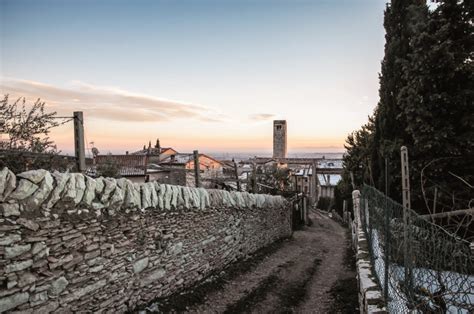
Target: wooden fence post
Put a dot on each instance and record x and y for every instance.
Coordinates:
(197, 169)
(79, 148)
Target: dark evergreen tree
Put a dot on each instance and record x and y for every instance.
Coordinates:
(356, 160)
(437, 99)
(426, 102)
(390, 123)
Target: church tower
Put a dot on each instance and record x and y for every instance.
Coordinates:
(279, 139)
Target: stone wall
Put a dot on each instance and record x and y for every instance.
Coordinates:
(70, 242)
(370, 294)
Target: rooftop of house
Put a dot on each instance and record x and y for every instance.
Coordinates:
(329, 179)
(330, 164)
(153, 151)
(304, 172)
(180, 158)
(183, 158)
(128, 165)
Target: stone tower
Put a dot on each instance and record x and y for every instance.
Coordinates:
(279, 139)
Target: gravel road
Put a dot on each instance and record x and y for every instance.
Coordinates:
(312, 272)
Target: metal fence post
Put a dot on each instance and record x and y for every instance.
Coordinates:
(406, 222)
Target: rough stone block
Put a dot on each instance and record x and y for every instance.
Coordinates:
(38, 247)
(92, 254)
(29, 224)
(35, 176)
(10, 209)
(18, 266)
(38, 298)
(13, 301)
(140, 265)
(58, 286)
(45, 188)
(78, 293)
(13, 251)
(96, 269)
(25, 279)
(80, 187)
(60, 180)
(47, 308)
(89, 192)
(152, 276)
(24, 189)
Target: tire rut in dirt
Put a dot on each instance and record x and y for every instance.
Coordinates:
(182, 301)
(297, 292)
(343, 293)
(281, 292)
(257, 295)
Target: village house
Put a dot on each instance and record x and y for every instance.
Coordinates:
(327, 184)
(132, 167)
(156, 153)
(182, 165)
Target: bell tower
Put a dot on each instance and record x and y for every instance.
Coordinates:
(279, 138)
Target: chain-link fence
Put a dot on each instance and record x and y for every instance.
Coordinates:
(420, 266)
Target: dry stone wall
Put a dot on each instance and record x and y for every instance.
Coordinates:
(73, 243)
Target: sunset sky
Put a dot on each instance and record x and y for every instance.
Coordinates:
(207, 75)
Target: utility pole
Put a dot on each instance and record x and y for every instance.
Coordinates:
(79, 147)
(237, 176)
(197, 169)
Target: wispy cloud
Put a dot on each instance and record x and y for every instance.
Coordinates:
(261, 116)
(107, 103)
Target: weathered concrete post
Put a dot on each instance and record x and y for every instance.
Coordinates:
(79, 148)
(356, 204)
(356, 222)
(305, 209)
(314, 183)
(197, 169)
(344, 211)
(406, 220)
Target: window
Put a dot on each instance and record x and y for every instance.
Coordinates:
(278, 127)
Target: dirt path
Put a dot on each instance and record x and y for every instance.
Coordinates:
(310, 273)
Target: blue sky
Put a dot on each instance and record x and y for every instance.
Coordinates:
(213, 73)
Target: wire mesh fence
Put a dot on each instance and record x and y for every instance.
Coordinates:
(420, 266)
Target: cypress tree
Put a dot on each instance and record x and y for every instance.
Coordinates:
(389, 134)
(437, 99)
